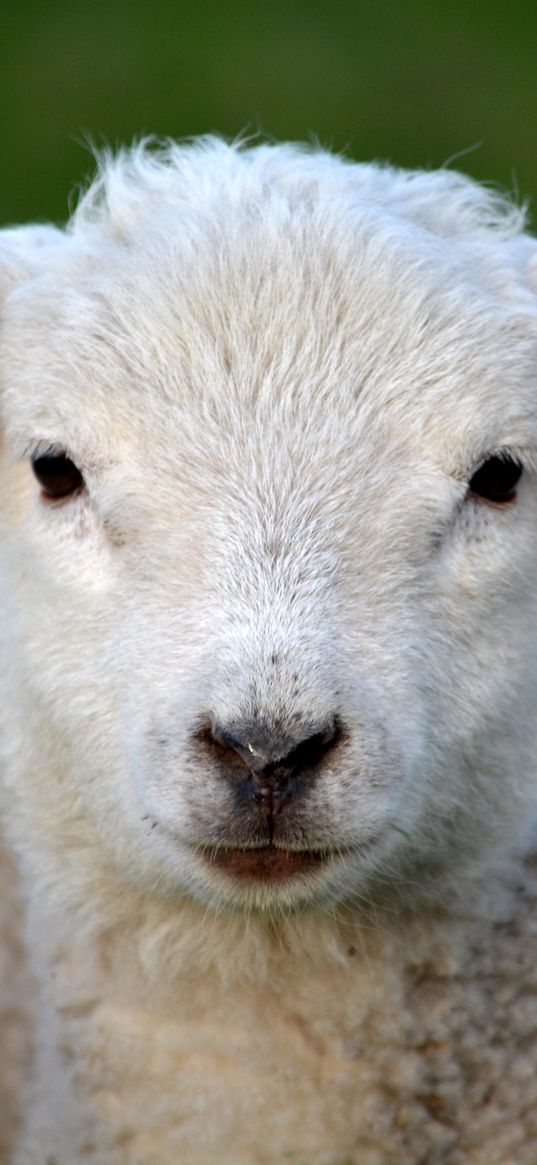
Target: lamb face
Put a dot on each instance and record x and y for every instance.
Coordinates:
(277, 624)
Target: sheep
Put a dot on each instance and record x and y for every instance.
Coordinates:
(269, 667)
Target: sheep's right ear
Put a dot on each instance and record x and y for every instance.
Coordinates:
(24, 253)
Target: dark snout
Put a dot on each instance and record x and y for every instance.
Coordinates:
(267, 765)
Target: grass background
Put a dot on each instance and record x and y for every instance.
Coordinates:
(412, 82)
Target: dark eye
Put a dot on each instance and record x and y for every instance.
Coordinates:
(57, 475)
(496, 480)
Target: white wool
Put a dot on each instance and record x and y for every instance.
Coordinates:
(278, 372)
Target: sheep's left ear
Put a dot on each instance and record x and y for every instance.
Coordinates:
(25, 253)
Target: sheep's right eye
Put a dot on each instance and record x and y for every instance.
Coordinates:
(57, 475)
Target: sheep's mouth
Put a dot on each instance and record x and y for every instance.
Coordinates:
(266, 863)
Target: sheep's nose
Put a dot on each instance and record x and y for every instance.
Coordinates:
(272, 755)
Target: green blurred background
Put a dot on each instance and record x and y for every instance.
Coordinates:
(412, 82)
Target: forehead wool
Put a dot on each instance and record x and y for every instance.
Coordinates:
(132, 183)
(271, 280)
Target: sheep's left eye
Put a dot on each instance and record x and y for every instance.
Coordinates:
(496, 480)
(57, 475)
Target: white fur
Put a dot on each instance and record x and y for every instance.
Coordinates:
(277, 371)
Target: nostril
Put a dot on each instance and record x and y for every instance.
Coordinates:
(310, 752)
(264, 748)
(232, 747)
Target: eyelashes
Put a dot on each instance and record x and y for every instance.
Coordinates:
(57, 475)
(495, 480)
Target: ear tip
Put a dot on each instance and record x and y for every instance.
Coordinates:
(21, 252)
(25, 240)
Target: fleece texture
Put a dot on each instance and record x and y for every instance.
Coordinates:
(268, 513)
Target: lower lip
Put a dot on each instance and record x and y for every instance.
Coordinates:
(267, 864)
